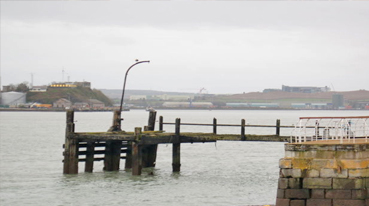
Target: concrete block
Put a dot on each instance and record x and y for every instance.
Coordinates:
(319, 164)
(325, 154)
(295, 173)
(352, 154)
(349, 202)
(301, 163)
(295, 183)
(289, 154)
(282, 202)
(338, 194)
(348, 184)
(318, 202)
(282, 183)
(312, 173)
(317, 183)
(285, 163)
(297, 203)
(317, 193)
(359, 194)
(334, 173)
(361, 173)
(297, 193)
(354, 163)
(280, 193)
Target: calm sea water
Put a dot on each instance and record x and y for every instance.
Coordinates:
(222, 173)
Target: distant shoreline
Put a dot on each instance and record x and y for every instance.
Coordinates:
(110, 110)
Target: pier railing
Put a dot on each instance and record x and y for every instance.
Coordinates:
(215, 126)
(343, 129)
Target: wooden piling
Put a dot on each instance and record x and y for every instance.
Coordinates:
(149, 151)
(243, 124)
(176, 149)
(90, 149)
(136, 153)
(128, 163)
(71, 147)
(278, 127)
(117, 119)
(151, 122)
(214, 126)
(161, 123)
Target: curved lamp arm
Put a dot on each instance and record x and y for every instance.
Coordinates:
(125, 79)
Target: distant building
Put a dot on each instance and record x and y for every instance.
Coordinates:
(71, 85)
(305, 89)
(6, 88)
(253, 105)
(62, 103)
(137, 97)
(94, 103)
(38, 89)
(174, 97)
(271, 90)
(83, 84)
(337, 101)
(188, 104)
(13, 98)
(81, 105)
(63, 85)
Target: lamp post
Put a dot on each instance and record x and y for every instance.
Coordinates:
(125, 78)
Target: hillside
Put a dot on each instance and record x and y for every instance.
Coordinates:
(117, 93)
(78, 94)
(362, 95)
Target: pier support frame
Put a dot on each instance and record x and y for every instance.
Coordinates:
(112, 155)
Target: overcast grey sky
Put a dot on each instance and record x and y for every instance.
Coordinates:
(223, 46)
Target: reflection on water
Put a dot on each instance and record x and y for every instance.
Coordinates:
(222, 173)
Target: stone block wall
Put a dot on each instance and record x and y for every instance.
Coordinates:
(316, 174)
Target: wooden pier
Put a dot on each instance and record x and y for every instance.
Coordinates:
(139, 148)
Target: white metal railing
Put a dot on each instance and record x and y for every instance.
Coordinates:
(331, 128)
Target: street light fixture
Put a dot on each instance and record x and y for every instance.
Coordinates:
(125, 78)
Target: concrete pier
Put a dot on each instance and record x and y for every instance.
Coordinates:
(324, 173)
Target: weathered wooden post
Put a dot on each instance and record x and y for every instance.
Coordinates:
(128, 163)
(278, 127)
(71, 147)
(117, 122)
(90, 149)
(149, 151)
(214, 126)
(136, 153)
(243, 124)
(176, 157)
(161, 123)
(113, 147)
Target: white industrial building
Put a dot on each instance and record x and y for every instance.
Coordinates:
(13, 98)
